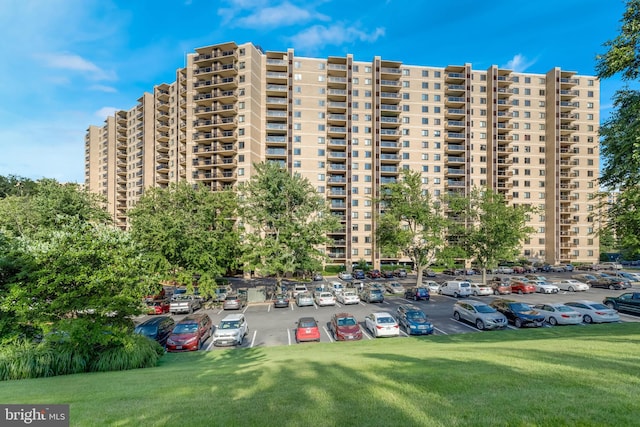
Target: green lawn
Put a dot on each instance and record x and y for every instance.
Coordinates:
(562, 376)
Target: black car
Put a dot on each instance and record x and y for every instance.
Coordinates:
(628, 302)
(157, 328)
(281, 301)
(518, 313)
(417, 293)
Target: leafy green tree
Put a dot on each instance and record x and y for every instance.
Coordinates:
(13, 185)
(49, 206)
(620, 145)
(189, 233)
(412, 222)
(286, 222)
(486, 229)
(83, 271)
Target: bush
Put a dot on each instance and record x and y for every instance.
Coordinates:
(24, 359)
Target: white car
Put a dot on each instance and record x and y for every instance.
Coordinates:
(325, 298)
(348, 297)
(478, 289)
(394, 288)
(594, 312)
(231, 330)
(336, 287)
(559, 314)
(343, 275)
(571, 285)
(544, 287)
(455, 288)
(382, 324)
(298, 289)
(433, 286)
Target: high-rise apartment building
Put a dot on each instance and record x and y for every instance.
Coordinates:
(351, 126)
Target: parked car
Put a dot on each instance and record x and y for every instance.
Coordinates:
(231, 330)
(221, 293)
(500, 286)
(431, 285)
(336, 288)
(281, 301)
(358, 274)
(158, 306)
(304, 299)
(372, 295)
(184, 303)
(558, 268)
(157, 328)
(234, 302)
(347, 277)
(519, 313)
(614, 280)
(190, 333)
(307, 330)
(586, 267)
(348, 297)
(503, 269)
(559, 314)
(317, 277)
(610, 266)
(535, 277)
(455, 288)
(479, 314)
(345, 327)
(544, 287)
(394, 288)
(428, 273)
(298, 289)
(413, 320)
(522, 286)
(633, 278)
(453, 271)
(594, 312)
(382, 324)
(479, 289)
(628, 302)
(571, 285)
(387, 274)
(325, 298)
(374, 274)
(401, 272)
(417, 293)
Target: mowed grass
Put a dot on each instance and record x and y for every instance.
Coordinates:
(561, 376)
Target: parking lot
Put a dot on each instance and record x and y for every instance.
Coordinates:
(269, 326)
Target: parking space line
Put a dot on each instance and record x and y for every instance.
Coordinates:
(210, 344)
(365, 332)
(253, 340)
(289, 336)
(464, 324)
(440, 330)
(328, 334)
(268, 308)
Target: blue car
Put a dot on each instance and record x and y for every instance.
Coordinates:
(418, 293)
(413, 320)
(358, 274)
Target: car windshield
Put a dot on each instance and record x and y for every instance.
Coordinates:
(386, 319)
(185, 328)
(484, 309)
(564, 308)
(229, 324)
(307, 324)
(416, 315)
(349, 294)
(146, 330)
(231, 298)
(376, 291)
(326, 295)
(520, 307)
(183, 297)
(598, 306)
(347, 321)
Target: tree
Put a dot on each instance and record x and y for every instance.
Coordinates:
(84, 271)
(412, 223)
(13, 185)
(188, 232)
(619, 134)
(287, 222)
(48, 206)
(486, 229)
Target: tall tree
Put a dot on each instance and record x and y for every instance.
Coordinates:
(619, 134)
(14, 185)
(412, 222)
(486, 229)
(189, 233)
(286, 221)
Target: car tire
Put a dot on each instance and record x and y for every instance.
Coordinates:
(520, 292)
(455, 295)
(612, 287)
(456, 315)
(518, 323)
(572, 289)
(415, 297)
(475, 293)
(611, 305)
(553, 321)
(190, 310)
(480, 324)
(587, 319)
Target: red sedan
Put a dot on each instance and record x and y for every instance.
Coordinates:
(345, 327)
(307, 330)
(158, 306)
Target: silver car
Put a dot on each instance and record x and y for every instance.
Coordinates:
(594, 312)
(559, 314)
(479, 314)
(304, 299)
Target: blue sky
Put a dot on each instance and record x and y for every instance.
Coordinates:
(67, 64)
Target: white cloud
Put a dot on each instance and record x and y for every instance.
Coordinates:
(103, 88)
(257, 14)
(106, 111)
(72, 62)
(519, 63)
(318, 36)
